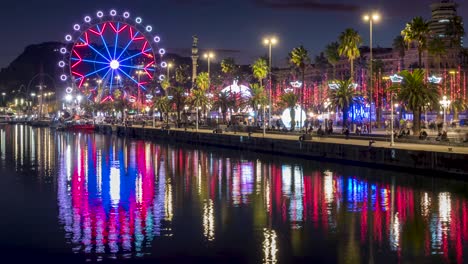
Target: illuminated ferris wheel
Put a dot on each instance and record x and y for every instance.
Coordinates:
(112, 56)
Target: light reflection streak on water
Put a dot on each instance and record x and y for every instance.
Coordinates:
(115, 183)
(296, 207)
(395, 230)
(258, 176)
(208, 220)
(425, 204)
(270, 247)
(328, 187)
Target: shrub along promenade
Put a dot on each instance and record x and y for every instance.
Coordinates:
(420, 158)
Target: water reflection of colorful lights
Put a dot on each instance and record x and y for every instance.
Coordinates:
(117, 196)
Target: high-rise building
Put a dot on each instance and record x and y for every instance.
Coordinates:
(443, 14)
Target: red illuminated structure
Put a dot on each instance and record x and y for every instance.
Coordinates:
(112, 57)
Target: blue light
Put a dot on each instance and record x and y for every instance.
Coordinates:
(133, 80)
(95, 50)
(116, 40)
(91, 73)
(104, 42)
(128, 44)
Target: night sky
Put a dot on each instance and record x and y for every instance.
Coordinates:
(220, 24)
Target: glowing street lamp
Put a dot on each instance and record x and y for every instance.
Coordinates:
(269, 41)
(445, 103)
(208, 56)
(371, 18)
(169, 65)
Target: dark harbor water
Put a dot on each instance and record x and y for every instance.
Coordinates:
(74, 197)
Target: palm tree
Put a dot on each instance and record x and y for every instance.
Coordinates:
(437, 49)
(178, 98)
(224, 102)
(417, 30)
(203, 81)
(182, 74)
(332, 55)
(343, 96)
(350, 40)
(258, 97)
(321, 62)
(459, 105)
(289, 100)
(163, 104)
(400, 46)
(229, 68)
(416, 93)
(299, 58)
(260, 69)
(198, 99)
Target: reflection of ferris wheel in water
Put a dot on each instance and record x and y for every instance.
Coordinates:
(112, 57)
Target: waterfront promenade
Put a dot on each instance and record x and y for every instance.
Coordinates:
(410, 157)
(383, 142)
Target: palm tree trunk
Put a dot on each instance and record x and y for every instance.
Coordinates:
(334, 72)
(420, 58)
(416, 121)
(345, 116)
(293, 118)
(178, 115)
(352, 70)
(455, 113)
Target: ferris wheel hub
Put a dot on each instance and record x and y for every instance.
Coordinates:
(114, 64)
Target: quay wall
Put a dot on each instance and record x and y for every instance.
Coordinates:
(423, 162)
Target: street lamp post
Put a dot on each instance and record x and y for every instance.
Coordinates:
(270, 41)
(395, 79)
(264, 123)
(209, 56)
(392, 136)
(445, 103)
(139, 100)
(371, 18)
(3, 99)
(169, 65)
(196, 125)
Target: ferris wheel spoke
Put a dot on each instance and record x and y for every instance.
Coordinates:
(104, 41)
(95, 50)
(116, 39)
(136, 67)
(131, 78)
(91, 73)
(105, 75)
(90, 61)
(134, 55)
(128, 45)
